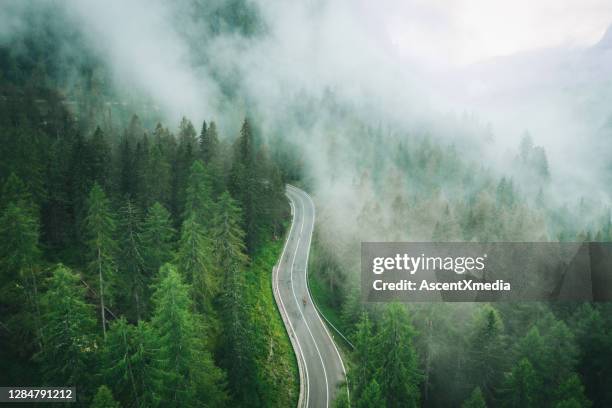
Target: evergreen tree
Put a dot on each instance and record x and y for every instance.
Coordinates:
(365, 355)
(15, 191)
(69, 330)
(209, 143)
(131, 262)
(522, 386)
(128, 358)
(229, 249)
(186, 372)
(198, 198)
(476, 400)
(100, 227)
(245, 185)
(195, 261)
(371, 396)
(594, 338)
(570, 393)
(127, 176)
(19, 267)
(157, 239)
(485, 353)
(398, 377)
(104, 399)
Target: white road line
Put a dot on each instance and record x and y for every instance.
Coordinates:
(283, 304)
(306, 277)
(302, 314)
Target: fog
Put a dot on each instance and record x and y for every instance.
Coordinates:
(316, 72)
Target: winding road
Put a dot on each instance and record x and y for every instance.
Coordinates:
(320, 364)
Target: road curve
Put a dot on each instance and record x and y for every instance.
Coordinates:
(319, 361)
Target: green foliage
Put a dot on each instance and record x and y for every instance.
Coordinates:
(486, 351)
(365, 354)
(128, 357)
(476, 400)
(398, 377)
(100, 226)
(104, 399)
(157, 239)
(198, 196)
(186, 374)
(371, 396)
(68, 331)
(133, 280)
(522, 386)
(195, 261)
(19, 271)
(571, 393)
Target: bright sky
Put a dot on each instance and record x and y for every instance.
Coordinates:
(459, 32)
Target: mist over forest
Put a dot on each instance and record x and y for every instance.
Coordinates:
(129, 104)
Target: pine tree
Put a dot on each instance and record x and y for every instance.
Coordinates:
(19, 264)
(195, 261)
(185, 156)
(209, 143)
(104, 399)
(570, 393)
(100, 228)
(157, 239)
(485, 353)
(158, 177)
(228, 239)
(127, 177)
(476, 400)
(100, 157)
(198, 197)
(131, 262)
(364, 355)
(15, 191)
(399, 377)
(69, 330)
(229, 249)
(186, 372)
(371, 396)
(244, 185)
(522, 386)
(128, 358)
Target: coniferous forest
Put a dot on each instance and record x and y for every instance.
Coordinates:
(145, 148)
(132, 259)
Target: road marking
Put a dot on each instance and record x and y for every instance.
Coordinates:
(308, 288)
(297, 340)
(300, 310)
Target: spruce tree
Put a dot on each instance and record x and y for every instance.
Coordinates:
(476, 400)
(195, 261)
(364, 355)
(100, 228)
(184, 367)
(209, 143)
(157, 239)
(399, 377)
(486, 361)
(245, 185)
(522, 386)
(229, 250)
(104, 399)
(20, 266)
(128, 358)
(198, 196)
(371, 396)
(571, 393)
(131, 262)
(69, 330)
